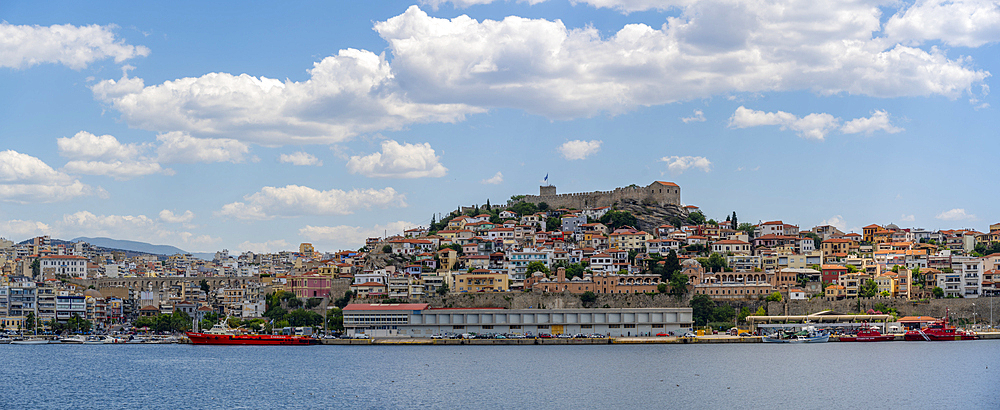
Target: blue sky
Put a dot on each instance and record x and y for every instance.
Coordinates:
(257, 126)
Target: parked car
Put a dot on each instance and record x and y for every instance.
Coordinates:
(661, 334)
(689, 334)
(544, 336)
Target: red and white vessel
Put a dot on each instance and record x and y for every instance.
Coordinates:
(868, 334)
(220, 334)
(940, 331)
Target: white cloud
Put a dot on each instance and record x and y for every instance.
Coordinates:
(697, 117)
(17, 228)
(879, 121)
(349, 93)
(26, 179)
(178, 147)
(957, 214)
(814, 126)
(836, 221)
(75, 47)
(294, 200)
(87, 146)
(350, 237)
(300, 158)
(129, 227)
(677, 165)
(962, 23)
(907, 218)
(711, 48)
(494, 180)
(168, 216)
(265, 247)
(117, 169)
(578, 149)
(399, 161)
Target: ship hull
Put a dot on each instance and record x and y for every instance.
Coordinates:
(881, 338)
(917, 337)
(267, 340)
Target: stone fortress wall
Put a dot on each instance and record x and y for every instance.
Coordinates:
(659, 193)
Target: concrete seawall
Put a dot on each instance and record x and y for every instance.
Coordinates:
(715, 339)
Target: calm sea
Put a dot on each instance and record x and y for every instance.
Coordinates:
(944, 375)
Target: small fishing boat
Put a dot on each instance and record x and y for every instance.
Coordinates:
(867, 334)
(34, 341)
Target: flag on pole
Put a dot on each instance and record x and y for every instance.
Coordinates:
(546, 178)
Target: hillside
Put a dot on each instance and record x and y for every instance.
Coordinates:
(134, 246)
(652, 216)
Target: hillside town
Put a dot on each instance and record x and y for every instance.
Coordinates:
(526, 245)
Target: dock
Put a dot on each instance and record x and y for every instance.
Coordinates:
(709, 339)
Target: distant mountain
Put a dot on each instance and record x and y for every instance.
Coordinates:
(131, 246)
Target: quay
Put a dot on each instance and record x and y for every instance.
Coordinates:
(577, 341)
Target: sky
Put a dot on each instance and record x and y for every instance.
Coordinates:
(255, 126)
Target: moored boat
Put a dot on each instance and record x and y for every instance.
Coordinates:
(220, 334)
(35, 341)
(73, 340)
(940, 331)
(867, 334)
(808, 334)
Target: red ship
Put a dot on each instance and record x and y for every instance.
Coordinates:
(868, 334)
(220, 334)
(940, 331)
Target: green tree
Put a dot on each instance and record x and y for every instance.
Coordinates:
(29, 320)
(536, 266)
(702, 308)
(443, 289)
(678, 284)
(724, 313)
(542, 206)
(553, 224)
(617, 219)
(747, 228)
(868, 289)
(716, 263)
(774, 297)
(387, 249)
(744, 311)
(761, 311)
(302, 317)
(276, 313)
(852, 269)
(342, 302)
(335, 319)
(938, 292)
(523, 208)
(733, 222)
(588, 298)
(36, 268)
(662, 287)
(204, 286)
(696, 218)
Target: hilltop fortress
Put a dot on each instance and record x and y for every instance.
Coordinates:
(658, 193)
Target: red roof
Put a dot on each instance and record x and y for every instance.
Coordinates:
(369, 284)
(666, 183)
(389, 306)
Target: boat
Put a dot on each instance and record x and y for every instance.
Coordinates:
(5, 340)
(34, 341)
(137, 340)
(111, 340)
(940, 331)
(867, 334)
(93, 340)
(73, 340)
(809, 334)
(221, 334)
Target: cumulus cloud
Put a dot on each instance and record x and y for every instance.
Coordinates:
(87, 146)
(169, 216)
(117, 169)
(179, 147)
(349, 93)
(17, 228)
(957, 214)
(677, 165)
(879, 121)
(494, 180)
(836, 221)
(26, 179)
(129, 227)
(907, 218)
(300, 158)
(711, 48)
(23, 46)
(697, 117)
(294, 200)
(813, 126)
(265, 247)
(350, 237)
(399, 161)
(578, 149)
(963, 23)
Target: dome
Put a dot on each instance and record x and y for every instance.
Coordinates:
(691, 262)
(892, 227)
(92, 293)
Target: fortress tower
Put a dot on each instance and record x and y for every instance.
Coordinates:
(659, 192)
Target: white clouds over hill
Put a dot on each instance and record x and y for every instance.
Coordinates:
(26, 179)
(815, 125)
(399, 161)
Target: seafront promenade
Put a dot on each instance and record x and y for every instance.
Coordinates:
(578, 341)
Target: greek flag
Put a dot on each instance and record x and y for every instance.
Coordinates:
(546, 177)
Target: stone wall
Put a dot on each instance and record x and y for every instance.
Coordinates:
(959, 308)
(652, 194)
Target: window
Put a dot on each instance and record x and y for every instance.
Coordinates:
(629, 326)
(543, 326)
(614, 326)
(487, 327)
(657, 326)
(515, 327)
(586, 326)
(458, 327)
